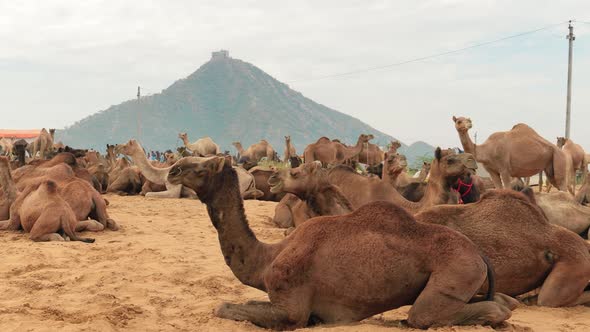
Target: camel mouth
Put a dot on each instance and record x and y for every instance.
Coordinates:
(276, 184)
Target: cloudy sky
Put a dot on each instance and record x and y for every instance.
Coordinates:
(63, 60)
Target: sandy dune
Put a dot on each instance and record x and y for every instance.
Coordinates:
(164, 271)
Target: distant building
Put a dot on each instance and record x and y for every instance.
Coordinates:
(221, 54)
(28, 135)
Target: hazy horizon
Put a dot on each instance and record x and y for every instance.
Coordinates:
(64, 60)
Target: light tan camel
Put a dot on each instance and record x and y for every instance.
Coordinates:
(380, 259)
(333, 153)
(42, 144)
(6, 146)
(255, 152)
(561, 208)
(8, 189)
(520, 152)
(370, 154)
(289, 149)
(577, 157)
(204, 146)
(42, 212)
(124, 179)
(525, 249)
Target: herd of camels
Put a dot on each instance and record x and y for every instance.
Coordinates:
(459, 248)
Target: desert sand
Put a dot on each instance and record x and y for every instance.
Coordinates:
(163, 271)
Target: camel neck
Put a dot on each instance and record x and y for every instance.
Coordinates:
(154, 174)
(351, 152)
(247, 257)
(239, 148)
(185, 141)
(467, 143)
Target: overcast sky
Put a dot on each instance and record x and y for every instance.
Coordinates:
(63, 60)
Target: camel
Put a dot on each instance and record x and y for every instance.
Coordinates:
(20, 149)
(261, 176)
(125, 179)
(202, 147)
(8, 192)
(289, 149)
(577, 157)
(394, 146)
(88, 205)
(42, 212)
(525, 249)
(159, 175)
(42, 144)
(360, 190)
(6, 146)
(370, 154)
(255, 152)
(379, 259)
(333, 153)
(520, 152)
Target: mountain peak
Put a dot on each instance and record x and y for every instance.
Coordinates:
(227, 99)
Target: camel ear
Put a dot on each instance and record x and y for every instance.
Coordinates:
(454, 118)
(216, 164)
(438, 153)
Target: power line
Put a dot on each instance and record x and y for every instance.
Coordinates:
(436, 55)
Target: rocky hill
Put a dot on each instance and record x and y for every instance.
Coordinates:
(227, 99)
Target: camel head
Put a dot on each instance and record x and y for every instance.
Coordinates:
(236, 144)
(287, 139)
(196, 173)
(370, 137)
(561, 141)
(425, 168)
(297, 180)
(448, 164)
(462, 124)
(128, 148)
(394, 145)
(183, 136)
(364, 138)
(395, 163)
(170, 157)
(52, 131)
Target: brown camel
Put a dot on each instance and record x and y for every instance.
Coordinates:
(290, 212)
(255, 152)
(42, 212)
(525, 249)
(289, 149)
(333, 153)
(394, 146)
(379, 259)
(87, 204)
(520, 152)
(125, 179)
(42, 144)
(261, 176)
(202, 147)
(370, 154)
(395, 172)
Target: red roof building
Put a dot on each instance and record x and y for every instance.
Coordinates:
(20, 133)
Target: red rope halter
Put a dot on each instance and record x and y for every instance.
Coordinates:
(460, 185)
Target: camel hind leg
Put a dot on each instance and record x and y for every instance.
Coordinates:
(444, 300)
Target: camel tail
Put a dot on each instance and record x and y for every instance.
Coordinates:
(65, 225)
(491, 278)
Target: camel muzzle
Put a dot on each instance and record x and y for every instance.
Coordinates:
(276, 183)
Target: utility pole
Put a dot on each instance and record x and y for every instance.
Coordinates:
(568, 108)
(138, 114)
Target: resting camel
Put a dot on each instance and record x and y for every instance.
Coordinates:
(202, 147)
(42, 144)
(255, 152)
(124, 179)
(88, 205)
(261, 176)
(360, 190)
(333, 153)
(525, 249)
(520, 152)
(6, 146)
(42, 212)
(380, 259)
(370, 154)
(8, 190)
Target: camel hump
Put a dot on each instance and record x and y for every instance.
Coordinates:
(505, 194)
(384, 210)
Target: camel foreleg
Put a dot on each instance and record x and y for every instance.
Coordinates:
(89, 225)
(173, 191)
(263, 314)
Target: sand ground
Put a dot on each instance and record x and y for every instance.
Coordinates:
(163, 271)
